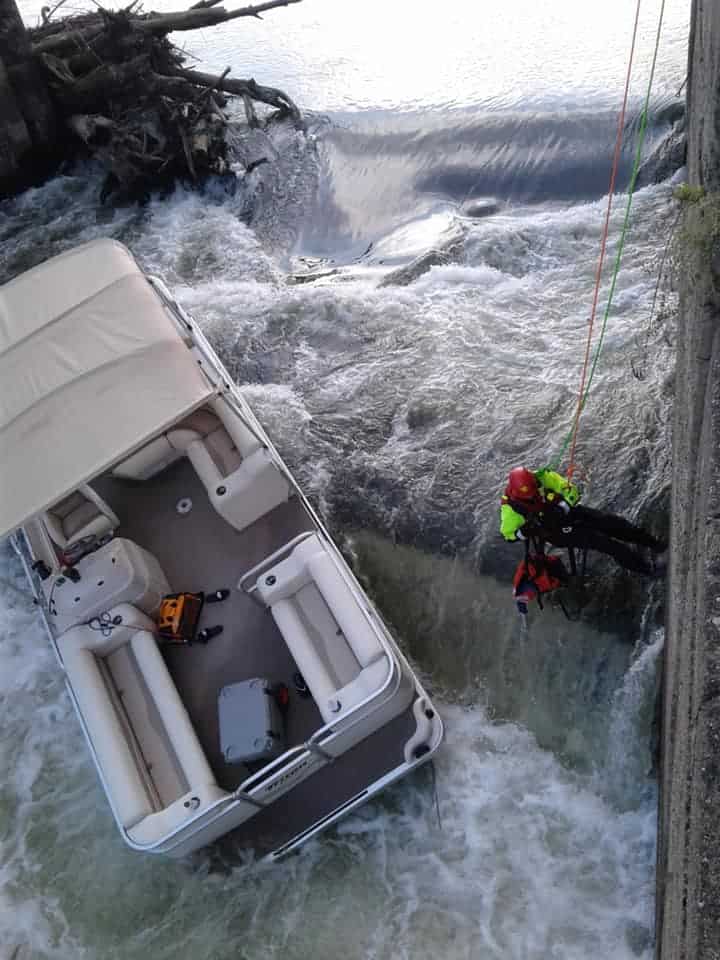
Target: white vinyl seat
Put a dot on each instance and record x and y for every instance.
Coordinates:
(241, 479)
(162, 451)
(82, 514)
(333, 643)
(154, 769)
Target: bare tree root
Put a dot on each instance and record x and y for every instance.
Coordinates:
(122, 90)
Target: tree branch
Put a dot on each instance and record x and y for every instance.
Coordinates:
(121, 86)
(67, 39)
(153, 23)
(100, 84)
(247, 11)
(243, 88)
(201, 17)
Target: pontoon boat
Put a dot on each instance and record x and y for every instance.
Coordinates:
(150, 510)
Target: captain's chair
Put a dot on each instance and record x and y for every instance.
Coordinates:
(82, 514)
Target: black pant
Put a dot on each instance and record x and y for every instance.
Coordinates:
(605, 532)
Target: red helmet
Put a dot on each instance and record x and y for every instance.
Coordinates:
(522, 485)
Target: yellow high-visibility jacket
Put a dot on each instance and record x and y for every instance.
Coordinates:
(553, 487)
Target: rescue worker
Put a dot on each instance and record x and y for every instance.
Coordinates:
(544, 505)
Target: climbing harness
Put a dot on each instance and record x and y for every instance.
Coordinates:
(541, 573)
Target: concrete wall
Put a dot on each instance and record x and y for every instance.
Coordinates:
(688, 902)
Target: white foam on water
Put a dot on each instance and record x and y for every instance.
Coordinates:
(32, 708)
(190, 241)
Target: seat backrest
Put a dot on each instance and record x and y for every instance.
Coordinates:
(148, 460)
(104, 508)
(160, 452)
(197, 425)
(242, 436)
(56, 517)
(351, 619)
(68, 505)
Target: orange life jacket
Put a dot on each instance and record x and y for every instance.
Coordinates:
(536, 575)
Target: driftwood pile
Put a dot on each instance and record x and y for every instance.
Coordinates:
(123, 91)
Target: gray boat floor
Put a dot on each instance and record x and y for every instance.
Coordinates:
(200, 551)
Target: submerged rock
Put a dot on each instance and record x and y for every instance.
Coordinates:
(479, 208)
(450, 250)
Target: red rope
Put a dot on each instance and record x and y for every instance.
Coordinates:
(603, 245)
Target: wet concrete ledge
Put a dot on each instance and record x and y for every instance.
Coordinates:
(688, 876)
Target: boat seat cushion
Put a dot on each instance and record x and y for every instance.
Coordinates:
(156, 757)
(316, 671)
(241, 497)
(224, 454)
(140, 731)
(171, 710)
(353, 623)
(147, 461)
(161, 451)
(129, 795)
(333, 644)
(81, 514)
(243, 439)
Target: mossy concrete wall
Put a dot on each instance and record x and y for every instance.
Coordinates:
(688, 901)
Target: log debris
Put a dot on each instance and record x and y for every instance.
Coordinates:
(156, 23)
(123, 92)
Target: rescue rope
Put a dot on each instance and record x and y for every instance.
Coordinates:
(572, 440)
(586, 381)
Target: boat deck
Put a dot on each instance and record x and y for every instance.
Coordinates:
(200, 551)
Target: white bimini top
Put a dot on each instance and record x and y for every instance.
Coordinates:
(92, 365)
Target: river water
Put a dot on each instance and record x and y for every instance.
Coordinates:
(401, 407)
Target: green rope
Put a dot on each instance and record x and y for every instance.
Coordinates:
(618, 257)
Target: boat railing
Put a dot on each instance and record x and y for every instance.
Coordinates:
(313, 744)
(278, 765)
(21, 546)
